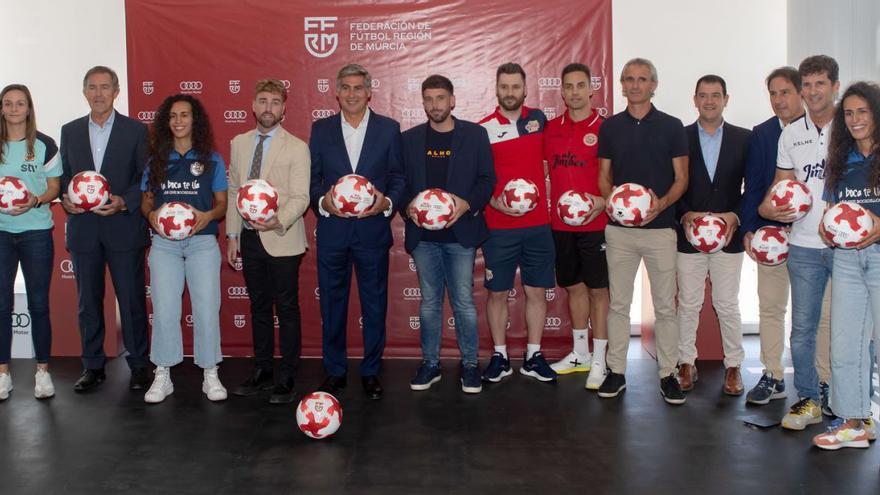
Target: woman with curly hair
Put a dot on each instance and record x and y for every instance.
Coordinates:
(184, 167)
(853, 174)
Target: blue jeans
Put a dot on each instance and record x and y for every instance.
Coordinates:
(35, 250)
(196, 261)
(855, 305)
(808, 271)
(447, 265)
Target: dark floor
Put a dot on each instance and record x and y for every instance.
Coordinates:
(520, 436)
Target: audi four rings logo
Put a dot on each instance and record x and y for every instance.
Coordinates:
(237, 291)
(602, 111)
(21, 320)
(549, 82)
(191, 85)
(413, 113)
(147, 116)
(66, 266)
(412, 292)
(234, 115)
(553, 321)
(320, 113)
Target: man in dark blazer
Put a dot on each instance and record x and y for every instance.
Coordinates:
(356, 141)
(455, 156)
(113, 235)
(717, 159)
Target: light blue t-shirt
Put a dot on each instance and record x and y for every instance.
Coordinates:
(33, 171)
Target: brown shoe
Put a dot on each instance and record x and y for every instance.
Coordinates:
(687, 376)
(733, 382)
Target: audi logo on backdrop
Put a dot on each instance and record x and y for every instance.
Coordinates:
(237, 292)
(191, 86)
(411, 293)
(413, 113)
(146, 116)
(321, 113)
(553, 321)
(602, 111)
(549, 82)
(234, 116)
(20, 320)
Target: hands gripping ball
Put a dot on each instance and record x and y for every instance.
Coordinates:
(847, 224)
(257, 201)
(352, 195)
(790, 193)
(88, 190)
(434, 208)
(574, 208)
(176, 220)
(319, 415)
(520, 195)
(629, 203)
(13, 193)
(707, 233)
(770, 245)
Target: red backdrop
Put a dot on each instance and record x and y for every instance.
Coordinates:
(218, 49)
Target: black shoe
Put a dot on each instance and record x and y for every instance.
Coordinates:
(260, 380)
(612, 386)
(141, 378)
(89, 379)
(372, 387)
(332, 384)
(671, 390)
(282, 393)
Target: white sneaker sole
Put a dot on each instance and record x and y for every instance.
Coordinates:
(42, 394)
(799, 427)
(150, 400)
(536, 375)
(424, 386)
(5, 395)
(611, 395)
(777, 395)
(674, 402)
(503, 374)
(471, 390)
(570, 369)
(859, 444)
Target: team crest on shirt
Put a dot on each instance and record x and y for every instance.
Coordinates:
(590, 139)
(533, 126)
(196, 168)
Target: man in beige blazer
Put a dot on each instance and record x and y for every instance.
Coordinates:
(271, 252)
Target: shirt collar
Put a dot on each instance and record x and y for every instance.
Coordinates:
(590, 120)
(703, 132)
(271, 133)
(107, 125)
(360, 126)
(648, 116)
(524, 112)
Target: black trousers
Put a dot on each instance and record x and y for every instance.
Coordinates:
(272, 280)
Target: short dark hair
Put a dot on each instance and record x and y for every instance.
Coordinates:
(576, 67)
(510, 68)
(101, 69)
(712, 79)
(817, 64)
(788, 73)
(436, 81)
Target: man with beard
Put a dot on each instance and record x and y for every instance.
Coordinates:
(455, 156)
(271, 252)
(517, 239)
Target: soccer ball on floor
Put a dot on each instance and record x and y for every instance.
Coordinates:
(257, 201)
(352, 195)
(319, 415)
(434, 208)
(770, 245)
(707, 233)
(574, 208)
(847, 224)
(520, 195)
(790, 193)
(176, 220)
(629, 203)
(13, 193)
(88, 190)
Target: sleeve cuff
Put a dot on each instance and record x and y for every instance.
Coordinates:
(231, 236)
(321, 209)
(390, 210)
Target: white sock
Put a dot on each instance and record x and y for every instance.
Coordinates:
(501, 349)
(599, 346)
(531, 349)
(580, 341)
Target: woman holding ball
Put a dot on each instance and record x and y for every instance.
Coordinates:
(853, 174)
(183, 167)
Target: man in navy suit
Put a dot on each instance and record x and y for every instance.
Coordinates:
(455, 156)
(717, 162)
(356, 141)
(113, 235)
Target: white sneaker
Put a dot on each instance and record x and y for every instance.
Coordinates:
(161, 387)
(573, 363)
(5, 385)
(212, 387)
(43, 388)
(598, 372)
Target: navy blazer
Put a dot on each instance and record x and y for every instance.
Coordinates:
(380, 162)
(760, 171)
(123, 167)
(723, 192)
(471, 176)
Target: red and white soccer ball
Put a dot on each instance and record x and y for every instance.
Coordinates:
(847, 224)
(257, 201)
(790, 193)
(434, 208)
(319, 415)
(770, 245)
(176, 220)
(629, 203)
(13, 193)
(707, 233)
(520, 195)
(574, 208)
(88, 190)
(352, 195)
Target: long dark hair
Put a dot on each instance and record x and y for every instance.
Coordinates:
(842, 141)
(162, 140)
(30, 133)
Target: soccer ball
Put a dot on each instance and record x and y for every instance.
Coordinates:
(520, 195)
(352, 195)
(791, 193)
(434, 208)
(574, 208)
(847, 224)
(257, 201)
(707, 234)
(770, 245)
(319, 415)
(176, 220)
(88, 190)
(629, 203)
(13, 193)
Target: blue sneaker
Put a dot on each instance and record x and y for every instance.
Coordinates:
(537, 367)
(470, 379)
(427, 375)
(767, 389)
(499, 367)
